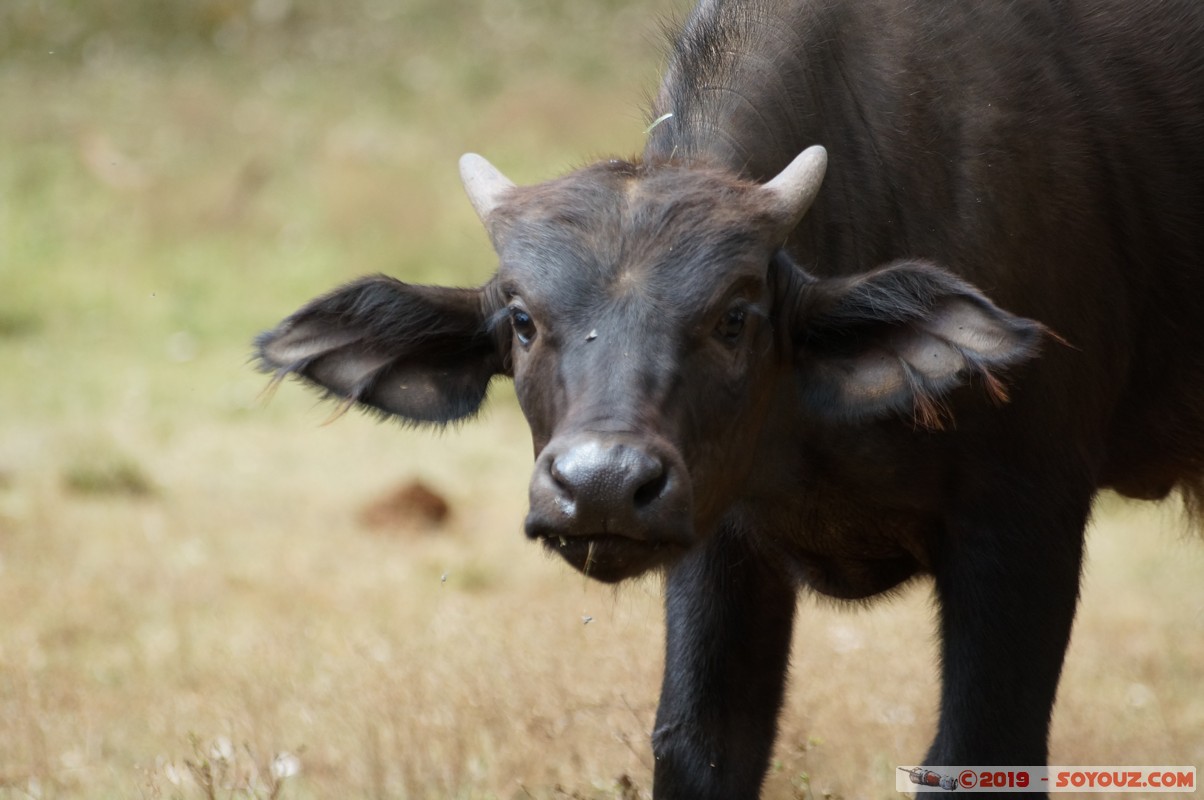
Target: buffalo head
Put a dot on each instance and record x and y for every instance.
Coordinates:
(652, 323)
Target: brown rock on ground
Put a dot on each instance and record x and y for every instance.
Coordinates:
(410, 506)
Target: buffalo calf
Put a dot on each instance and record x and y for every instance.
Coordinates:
(893, 290)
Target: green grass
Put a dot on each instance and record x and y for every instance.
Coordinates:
(108, 475)
(181, 571)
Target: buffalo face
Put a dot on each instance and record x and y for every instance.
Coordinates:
(642, 349)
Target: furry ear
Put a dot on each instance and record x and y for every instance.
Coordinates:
(899, 339)
(425, 354)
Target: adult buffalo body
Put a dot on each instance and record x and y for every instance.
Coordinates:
(989, 311)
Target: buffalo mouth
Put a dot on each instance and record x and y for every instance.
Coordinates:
(610, 558)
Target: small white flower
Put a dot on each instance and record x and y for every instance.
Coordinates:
(285, 765)
(1139, 695)
(222, 749)
(845, 638)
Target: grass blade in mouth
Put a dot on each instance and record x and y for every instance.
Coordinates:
(589, 558)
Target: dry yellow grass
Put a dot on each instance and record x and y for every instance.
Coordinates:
(241, 605)
(181, 573)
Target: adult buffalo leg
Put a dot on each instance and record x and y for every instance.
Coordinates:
(729, 619)
(1007, 578)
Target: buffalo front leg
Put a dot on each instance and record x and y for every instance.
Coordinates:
(729, 615)
(1008, 585)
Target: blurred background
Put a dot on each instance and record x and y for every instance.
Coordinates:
(204, 594)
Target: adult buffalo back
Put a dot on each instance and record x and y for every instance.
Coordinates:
(927, 365)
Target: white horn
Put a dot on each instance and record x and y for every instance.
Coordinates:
(484, 183)
(796, 186)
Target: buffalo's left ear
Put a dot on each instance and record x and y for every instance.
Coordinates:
(899, 339)
(424, 354)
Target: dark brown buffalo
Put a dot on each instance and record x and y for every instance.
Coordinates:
(991, 311)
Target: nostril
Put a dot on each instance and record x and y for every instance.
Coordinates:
(651, 490)
(559, 479)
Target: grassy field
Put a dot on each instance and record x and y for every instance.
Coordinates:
(190, 602)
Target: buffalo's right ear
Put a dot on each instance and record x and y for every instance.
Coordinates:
(425, 354)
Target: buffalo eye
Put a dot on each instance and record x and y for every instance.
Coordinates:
(731, 325)
(524, 326)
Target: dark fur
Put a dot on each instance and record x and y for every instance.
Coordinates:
(991, 312)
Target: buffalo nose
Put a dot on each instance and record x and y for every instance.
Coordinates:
(592, 485)
(608, 480)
